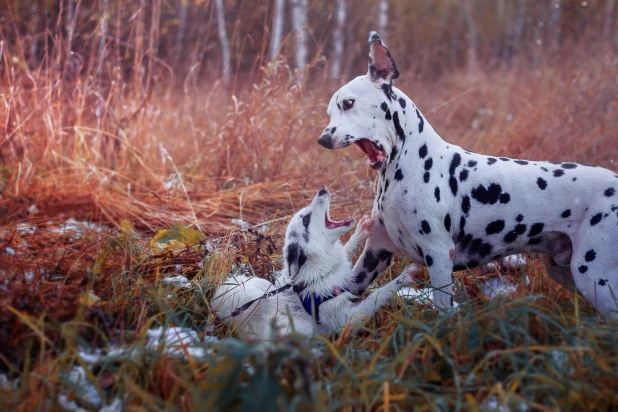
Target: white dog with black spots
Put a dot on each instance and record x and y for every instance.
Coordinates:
(315, 281)
(449, 209)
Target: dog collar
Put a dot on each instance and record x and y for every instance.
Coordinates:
(311, 302)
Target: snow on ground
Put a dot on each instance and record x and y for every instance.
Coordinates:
(498, 286)
(425, 295)
(178, 342)
(178, 281)
(71, 226)
(513, 262)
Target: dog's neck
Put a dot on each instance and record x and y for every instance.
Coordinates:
(323, 272)
(416, 132)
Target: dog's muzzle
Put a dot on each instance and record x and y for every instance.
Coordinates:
(326, 140)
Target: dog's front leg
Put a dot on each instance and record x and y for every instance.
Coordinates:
(361, 233)
(440, 266)
(349, 308)
(374, 260)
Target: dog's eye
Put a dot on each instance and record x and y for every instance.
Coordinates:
(348, 104)
(307, 220)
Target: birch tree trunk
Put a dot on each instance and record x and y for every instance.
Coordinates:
(182, 25)
(225, 43)
(103, 37)
(554, 27)
(299, 23)
(472, 39)
(278, 20)
(498, 44)
(34, 46)
(383, 17)
(68, 19)
(607, 21)
(520, 23)
(338, 39)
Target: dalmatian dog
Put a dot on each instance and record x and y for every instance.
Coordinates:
(448, 208)
(319, 270)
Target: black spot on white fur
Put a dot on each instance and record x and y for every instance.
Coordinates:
(422, 152)
(425, 227)
(590, 255)
(398, 175)
(447, 222)
(436, 194)
(494, 227)
(596, 219)
(541, 183)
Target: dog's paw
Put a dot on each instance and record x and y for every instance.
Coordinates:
(365, 227)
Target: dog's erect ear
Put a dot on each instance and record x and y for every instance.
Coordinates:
(296, 258)
(381, 65)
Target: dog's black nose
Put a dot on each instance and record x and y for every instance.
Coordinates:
(322, 192)
(326, 140)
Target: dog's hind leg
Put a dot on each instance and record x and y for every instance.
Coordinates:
(374, 260)
(594, 266)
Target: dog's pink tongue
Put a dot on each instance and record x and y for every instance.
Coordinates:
(381, 157)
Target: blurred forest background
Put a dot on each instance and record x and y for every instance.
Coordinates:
(231, 40)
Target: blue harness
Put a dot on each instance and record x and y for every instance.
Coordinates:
(312, 302)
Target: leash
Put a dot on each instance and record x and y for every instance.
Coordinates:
(246, 306)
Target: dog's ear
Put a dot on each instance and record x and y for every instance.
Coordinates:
(296, 258)
(381, 65)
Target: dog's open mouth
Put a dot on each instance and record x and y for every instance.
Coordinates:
(330, 224)
(374, 152)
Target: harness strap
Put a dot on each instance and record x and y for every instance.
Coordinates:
(311, 302)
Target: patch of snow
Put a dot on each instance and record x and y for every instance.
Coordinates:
(114, 406)
(493, 405)
(495, 287)
(33, 210)
(84, 390)
(425, 294)
(73, 226)
(10, 251)
(176, 341)
(25, 229)
(241, 223)
(510, 262)
(177, 281)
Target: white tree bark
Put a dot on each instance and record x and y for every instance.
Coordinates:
(338, 39)
(278, 20)
(383, 17)
(607, 21)
(225, 43)
(299, 24)
(182, 25)
(472, 39)
(555, 23)
(103, 37)
(520, 23)
(498, 44)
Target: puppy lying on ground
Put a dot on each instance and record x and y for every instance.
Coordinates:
(312, 294)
